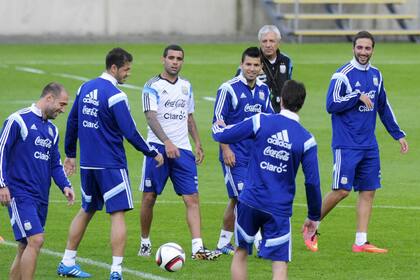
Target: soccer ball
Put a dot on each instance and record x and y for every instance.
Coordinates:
(170, 257)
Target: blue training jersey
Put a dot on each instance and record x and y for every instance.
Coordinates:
(100, 118)
(236, 101)
(29, 155)
(280, 145)
(353, 124)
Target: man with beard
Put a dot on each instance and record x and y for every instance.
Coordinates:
(101, 119)
(168, 103)
(29, 158)
(355, 96)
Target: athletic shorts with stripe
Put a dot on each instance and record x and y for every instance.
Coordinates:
(27, 217)
(106, 186)
(182, 171)
(356, 168)
(276, 243)
(235, 177)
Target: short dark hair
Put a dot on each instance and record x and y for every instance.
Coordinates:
(53, 88)
(172, 47)
(293, 95)
(364, 34)
(252, 52)
(119, 57)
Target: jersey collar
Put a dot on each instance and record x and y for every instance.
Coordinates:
(289, 114)
(109, 77)
(245, 82)
(359, 66)
(36, 110)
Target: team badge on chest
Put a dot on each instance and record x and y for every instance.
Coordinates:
(261, 95)
(184, 90)
(375, 81)
(50, 131)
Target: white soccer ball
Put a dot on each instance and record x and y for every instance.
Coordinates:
(170, 257)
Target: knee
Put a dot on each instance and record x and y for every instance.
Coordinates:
(36, 241)
(342, 193)
(192, 201)
(149, 199)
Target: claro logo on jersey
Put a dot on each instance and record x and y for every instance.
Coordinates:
(280, 139)
(170, 116)
(179, 103)
(92, 98)
(42, 156)
(256, 108)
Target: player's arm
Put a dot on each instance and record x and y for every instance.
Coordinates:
(119, 108)
(237, 132)
(10, 133)
(221, 109)
(58, 174)
(389, 120)
(193, 131)
(150, 107)
(339, 99)
(312, 181)
(70, 140)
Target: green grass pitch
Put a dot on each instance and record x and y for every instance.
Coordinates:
(25, 69)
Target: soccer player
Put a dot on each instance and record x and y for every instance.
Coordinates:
(29, 157)
(168, 104)
(280, 145)
(237, 99)
(355, 96)
(277, 66)
(100, 118)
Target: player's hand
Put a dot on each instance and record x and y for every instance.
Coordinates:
(69, 194)
(366, 100)
(159, 159)
(312, 226)
(70, 166)
(199, 154)
(171, 150)
(404, 145)
(220, 123)
(5, 196)
(228, 155)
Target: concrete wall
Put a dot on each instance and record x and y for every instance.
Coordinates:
(124, 17)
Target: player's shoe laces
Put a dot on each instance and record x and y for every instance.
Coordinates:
(115, 276)
(312, 241)
(205, 254)
(228, 249)
(368, 248)
(145, 250)
(71, 271)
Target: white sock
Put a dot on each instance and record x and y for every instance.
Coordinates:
(224, 238)
(69, 257)
(197, 244)
(257, 240)
(145, 240)
(116, 264)
(361, 238)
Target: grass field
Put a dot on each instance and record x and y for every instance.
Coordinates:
(25, 69)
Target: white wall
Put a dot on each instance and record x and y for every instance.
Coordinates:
(122, 17)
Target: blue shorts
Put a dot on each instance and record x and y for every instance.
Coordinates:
(235, 178)
(276, 243)
(182, 171)
(27, 217)
(109, 186)
(357, 169)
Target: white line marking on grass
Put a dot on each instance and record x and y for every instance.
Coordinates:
(94, 263)
(69, 76)
(295, 204)
(30, 70)
(209, 98)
